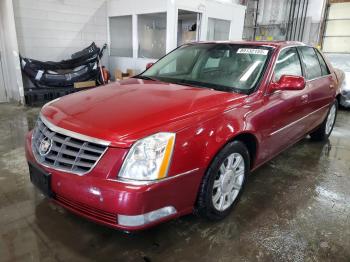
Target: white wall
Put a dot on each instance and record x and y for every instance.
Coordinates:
(221, 9)
(10, 59)
(233, 12)
(53, 30)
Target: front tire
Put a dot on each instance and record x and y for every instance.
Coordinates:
(223, 182)
(326, 128)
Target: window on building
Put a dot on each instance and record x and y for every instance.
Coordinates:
(152, 35)
(120, 30)
(187, 26)
(218, 29)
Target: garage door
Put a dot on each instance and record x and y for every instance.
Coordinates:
(337, 32)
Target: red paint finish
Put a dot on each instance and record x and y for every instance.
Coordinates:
(204, 120)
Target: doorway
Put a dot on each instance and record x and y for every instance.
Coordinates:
(188, 26)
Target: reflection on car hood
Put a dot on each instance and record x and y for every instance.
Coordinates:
(132, 109)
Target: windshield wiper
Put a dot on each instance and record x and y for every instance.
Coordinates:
(207, 85)
(191, 83)
(185, 83)
(146, 77)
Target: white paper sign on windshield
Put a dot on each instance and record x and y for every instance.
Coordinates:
(252, 51)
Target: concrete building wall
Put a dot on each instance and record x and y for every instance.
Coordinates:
(52, 30)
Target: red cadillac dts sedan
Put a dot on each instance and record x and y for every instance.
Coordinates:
(182, 136)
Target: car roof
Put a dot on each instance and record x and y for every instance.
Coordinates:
(274, 44)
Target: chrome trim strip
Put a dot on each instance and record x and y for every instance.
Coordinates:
(300, 119)
(73, 134)
(316, 78)
(150, 182)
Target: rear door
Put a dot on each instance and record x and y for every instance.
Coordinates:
(319, 82)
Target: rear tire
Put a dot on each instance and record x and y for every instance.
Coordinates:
(326, 128)
(223, 182)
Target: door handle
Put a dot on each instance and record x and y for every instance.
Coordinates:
(304, 98)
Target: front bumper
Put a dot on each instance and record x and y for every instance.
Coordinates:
(98, 198)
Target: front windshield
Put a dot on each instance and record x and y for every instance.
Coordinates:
(220, 66)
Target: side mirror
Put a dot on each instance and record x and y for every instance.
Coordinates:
(288, 82)
(149, 65)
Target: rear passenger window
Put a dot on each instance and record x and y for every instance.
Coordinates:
(312, 65)
(288, 63)
(324, 67)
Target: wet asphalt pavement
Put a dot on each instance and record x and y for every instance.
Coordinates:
(294, 208)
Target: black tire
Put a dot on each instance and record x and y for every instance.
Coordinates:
(204, 206)
(320, 134)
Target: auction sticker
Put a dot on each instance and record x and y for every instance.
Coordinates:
(252, 51)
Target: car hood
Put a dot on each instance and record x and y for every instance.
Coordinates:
(125, 111)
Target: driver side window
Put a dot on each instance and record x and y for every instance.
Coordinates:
(288, 63)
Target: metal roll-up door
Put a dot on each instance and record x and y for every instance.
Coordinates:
(336, 37)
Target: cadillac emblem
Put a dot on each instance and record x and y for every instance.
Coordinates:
(45, 146)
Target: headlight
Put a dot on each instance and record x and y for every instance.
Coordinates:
(149, 158)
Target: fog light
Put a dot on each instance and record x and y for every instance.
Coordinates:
(139, 220)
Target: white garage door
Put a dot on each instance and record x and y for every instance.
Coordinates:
(337, 33)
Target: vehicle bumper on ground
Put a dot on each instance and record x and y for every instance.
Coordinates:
(118, 204)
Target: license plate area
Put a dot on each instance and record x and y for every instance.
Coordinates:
(41, 180)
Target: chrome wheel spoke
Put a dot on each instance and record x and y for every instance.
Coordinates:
(236, 186)
(238, 161)
(233, 194)
(239, 172)
(216, 197)
(222, 168)
(229, 165)
(217, 183)
(221, 203)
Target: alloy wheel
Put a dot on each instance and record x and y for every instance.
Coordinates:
(331, 119)
(228, 182)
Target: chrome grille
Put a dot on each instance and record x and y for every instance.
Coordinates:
(65, 153)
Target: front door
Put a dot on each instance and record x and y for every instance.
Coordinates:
(285, 111)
